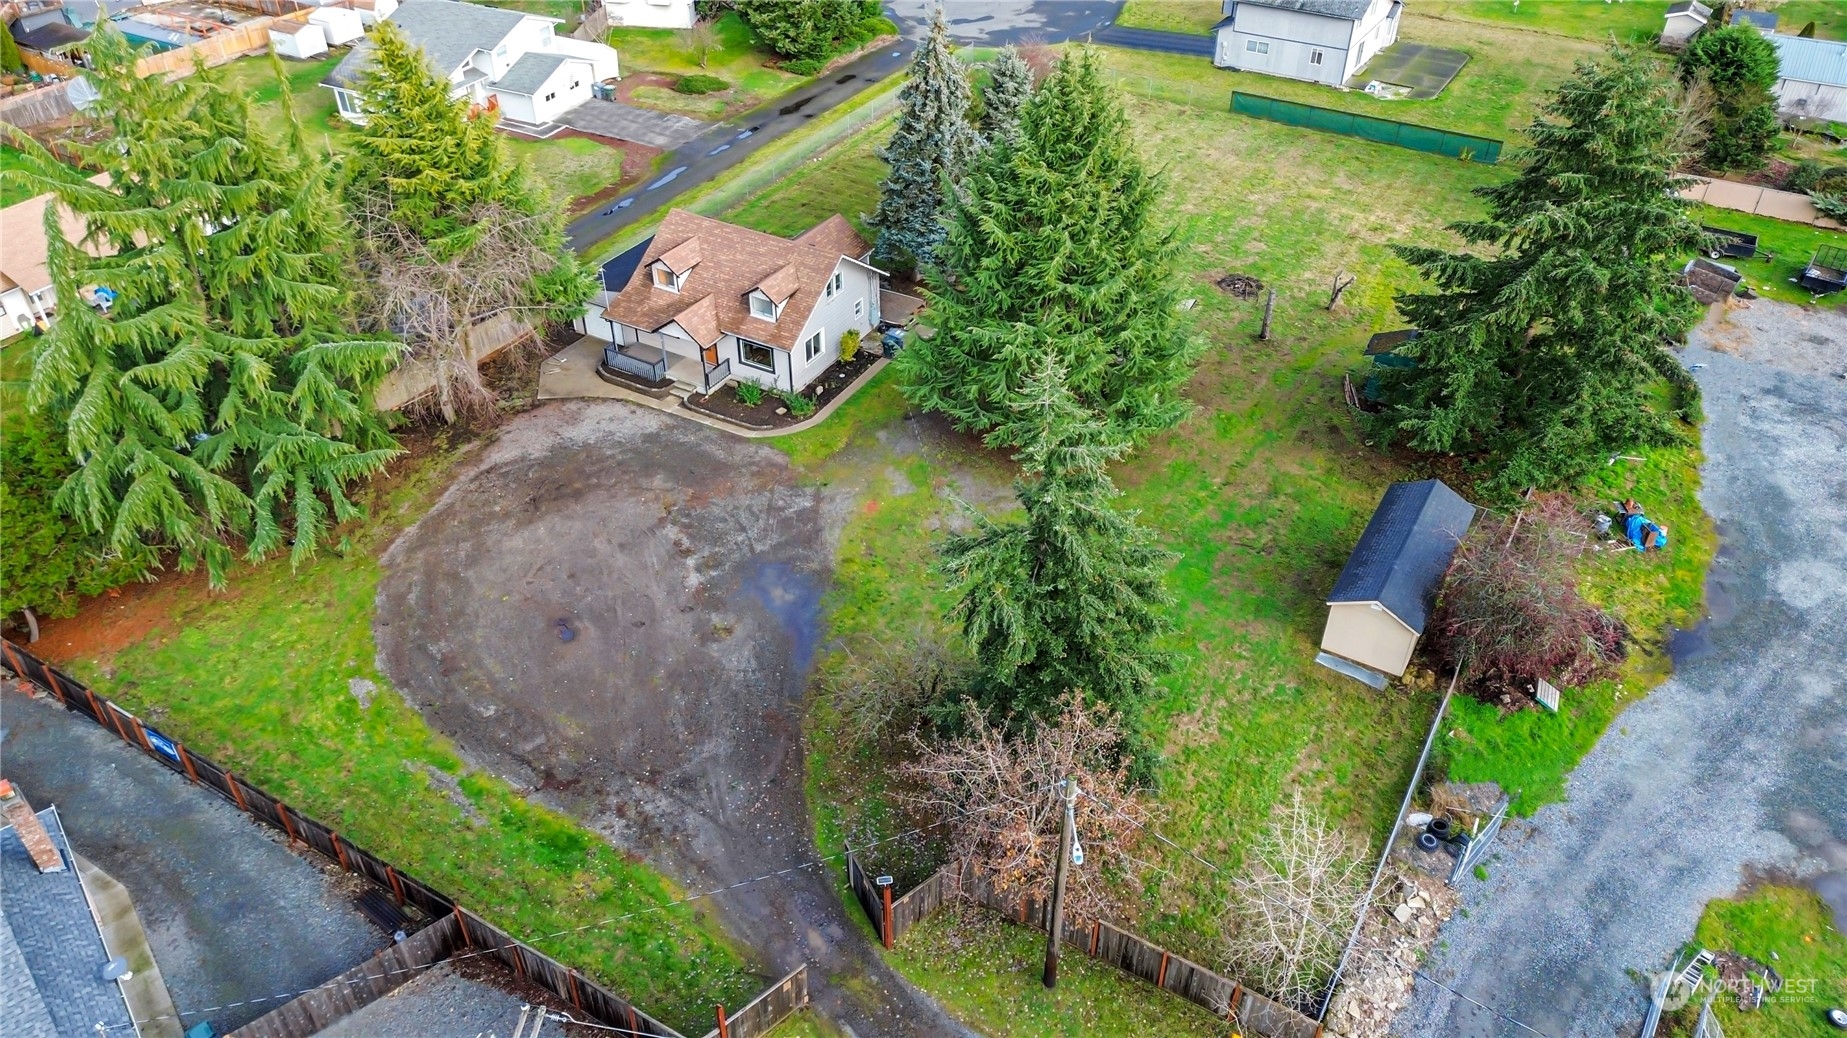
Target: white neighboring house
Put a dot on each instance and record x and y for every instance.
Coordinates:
(341, 25)
(1684, 19)
(1811, 78)
(710, 301)
(26, 292)
(297, 39)
(650, 14)
(508, 60)
(1321, 41)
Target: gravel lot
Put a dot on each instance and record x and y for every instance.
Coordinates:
(1733, 768)
(463, 998)
(688, 567)
(231, 913)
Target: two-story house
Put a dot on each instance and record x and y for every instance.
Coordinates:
(1321, 41)
(509, 60)
(710, 301)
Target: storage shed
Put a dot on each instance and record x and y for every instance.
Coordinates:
(1378, 608)
(297, 39)
(1684, 19)
(341, 25)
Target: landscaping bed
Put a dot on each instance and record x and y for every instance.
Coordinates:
(773, 410)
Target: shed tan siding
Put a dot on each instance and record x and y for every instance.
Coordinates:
(1367, 634)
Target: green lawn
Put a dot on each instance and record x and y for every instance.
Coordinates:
(570, 167)
(1793, 244)
(257, 677)
(1630, 21)
(737, 59)
(844, 181)
(1171, 15)
(11, 193)
(989, 970)
(1791, 930)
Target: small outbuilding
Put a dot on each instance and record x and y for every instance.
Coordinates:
(1387, 590)
(1684, 19)
(297, 39)
(341, 25)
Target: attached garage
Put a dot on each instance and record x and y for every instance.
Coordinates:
(1385, 594)
(540, 87)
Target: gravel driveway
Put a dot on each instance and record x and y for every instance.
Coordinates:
(688, 567)
(1734, 767)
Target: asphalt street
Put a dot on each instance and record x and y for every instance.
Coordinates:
(1734, 768)
(984, 23)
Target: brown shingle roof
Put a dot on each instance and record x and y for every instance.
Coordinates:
(782, 284)
(22, 227)
(682, 257)
(734, 261)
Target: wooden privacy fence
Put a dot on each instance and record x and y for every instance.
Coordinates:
(45, 105)
(761, 1014)
(358, 987)
(917, 904)
(1102, 941)
(414, 378)
(473, 935)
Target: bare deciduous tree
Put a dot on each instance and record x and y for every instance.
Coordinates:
(1289, 913)
(1039, 56)
(884, 689)
(1342, 282)
(432, 294)
(699, 41)
(1003, 811)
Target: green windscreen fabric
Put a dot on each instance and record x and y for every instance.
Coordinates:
(1385, 131)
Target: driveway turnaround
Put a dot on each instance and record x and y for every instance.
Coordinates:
(628, 123)
(618, 609)
(232, 915)
(1733, 767)
(986, 23)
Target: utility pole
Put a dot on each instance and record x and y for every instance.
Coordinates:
(1067, 840)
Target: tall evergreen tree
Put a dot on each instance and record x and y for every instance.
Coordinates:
(1742, 67)
(451, 228)
(1053, 247)
(1010, 86)
(1071, 597)
(1543, 355)
(222, 394)
(930, 149)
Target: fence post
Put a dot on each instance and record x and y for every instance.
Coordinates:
(885, 931)
(237, 792)
(186, 759)
(724, 1026)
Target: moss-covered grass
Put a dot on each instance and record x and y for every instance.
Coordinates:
(1792, 930)
(257, 678)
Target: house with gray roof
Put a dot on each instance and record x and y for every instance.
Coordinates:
(500, 59)
(1811, 78)
(1320, 41)
(54, 966)
(1388, 589)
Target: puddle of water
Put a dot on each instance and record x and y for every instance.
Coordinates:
(721, 147)
(848, 78)
(1721, 608)
(676, 171)
(791, 109)
(794, 599)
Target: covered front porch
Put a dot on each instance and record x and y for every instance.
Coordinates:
(660, 360)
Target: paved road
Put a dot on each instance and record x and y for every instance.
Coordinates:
(1735, 765)
(231, 913)
(987, 23)
(1197, 44)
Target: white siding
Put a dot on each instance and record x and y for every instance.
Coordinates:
(833, 316)
(1812, 100)
(340, 25)
(650, 14)
(20, 310)
(1283, 43)
(728, 349)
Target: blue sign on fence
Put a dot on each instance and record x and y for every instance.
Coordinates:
(161, 743)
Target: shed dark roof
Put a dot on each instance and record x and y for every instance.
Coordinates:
(49, 36)
(1386, 342)
(1692, 7)
(1401, 558)
(45, 924)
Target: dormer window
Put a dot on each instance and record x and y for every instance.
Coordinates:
(665, 278)
(762, 307)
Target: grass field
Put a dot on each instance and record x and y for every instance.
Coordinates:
(738, 58)
(1262, 494)
(569, 167)
(10, 193)
(1171, 15)
(257, 677)
(1793, 244)
(1791, 930)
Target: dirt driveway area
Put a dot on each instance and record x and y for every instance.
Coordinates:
(618, 609)
(1732, 768)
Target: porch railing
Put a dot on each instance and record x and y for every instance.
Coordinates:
(715, 375)
(628, 363)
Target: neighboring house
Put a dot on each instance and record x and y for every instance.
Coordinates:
(509, 60)
(53, 980)
(1811, 78)
(45, 27)
(1762, 21)
(1321, 41)
(299, 40)
(1387, 590)
(341, 25)
(1684, 18)
(710, 301)
(651, 14)
(26, 292)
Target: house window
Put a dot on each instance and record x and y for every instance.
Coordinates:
(348, 103)
(859, 307)
(1257, 46)
(500, 51)
(551, 95)
(664, 278)
(1314, 57)
(833, 285)
(756, 355)
(812, 348)
(760, 306)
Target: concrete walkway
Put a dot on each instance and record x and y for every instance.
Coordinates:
(145, 990)
(1732, 768)
(570, 374)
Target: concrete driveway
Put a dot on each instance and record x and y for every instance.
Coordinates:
(1735, 766)
(628, 123)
